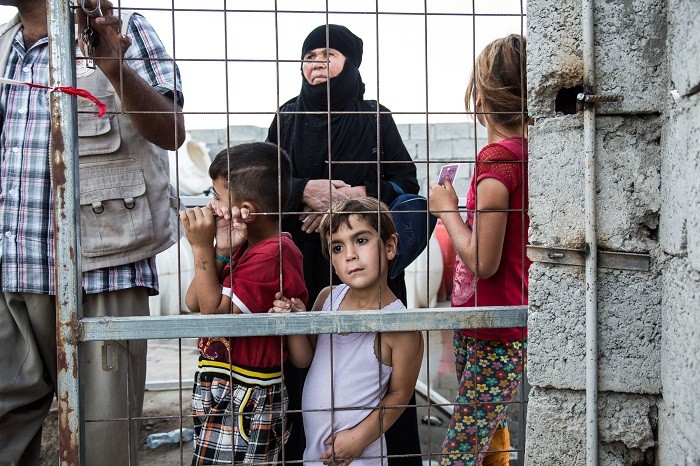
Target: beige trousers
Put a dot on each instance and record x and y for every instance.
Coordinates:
(28, 368)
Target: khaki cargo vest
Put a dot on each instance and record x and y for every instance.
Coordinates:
(128, 209)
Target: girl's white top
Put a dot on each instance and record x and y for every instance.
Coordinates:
(358, 383)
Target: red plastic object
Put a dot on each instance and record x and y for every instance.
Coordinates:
(448, 260)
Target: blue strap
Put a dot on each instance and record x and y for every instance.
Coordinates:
(397, 188)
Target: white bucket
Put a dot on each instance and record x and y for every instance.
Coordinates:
(173, 284)
(193, 167)
(423, 278)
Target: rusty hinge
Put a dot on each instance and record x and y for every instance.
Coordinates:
(606, 259)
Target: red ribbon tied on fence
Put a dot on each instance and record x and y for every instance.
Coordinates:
(70, 90)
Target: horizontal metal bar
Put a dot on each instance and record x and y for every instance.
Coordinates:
(593, 98)
(195, 201)
(606, 259)
(301, 323)
(624, 261)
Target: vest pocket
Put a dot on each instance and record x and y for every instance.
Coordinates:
(97, 135)
(114, 212)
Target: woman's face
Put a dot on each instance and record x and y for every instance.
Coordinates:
(322, 64)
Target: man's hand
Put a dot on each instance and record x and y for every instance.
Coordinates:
(154, 115)
(112, 44)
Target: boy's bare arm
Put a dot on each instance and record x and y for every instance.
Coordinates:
(191, 300)
(207, 295)
(207, 289)
(406, 358)
(204, 293)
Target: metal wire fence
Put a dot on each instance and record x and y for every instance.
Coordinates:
(239, 62)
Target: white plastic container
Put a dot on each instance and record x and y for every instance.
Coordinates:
(423, 277)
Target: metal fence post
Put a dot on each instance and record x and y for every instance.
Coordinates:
(64, 176)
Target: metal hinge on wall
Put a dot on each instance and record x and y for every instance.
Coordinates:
(606, 259)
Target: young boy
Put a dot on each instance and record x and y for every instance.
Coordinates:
(238, 396)
(348, 403)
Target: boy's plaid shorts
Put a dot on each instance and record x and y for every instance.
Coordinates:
(231, 418)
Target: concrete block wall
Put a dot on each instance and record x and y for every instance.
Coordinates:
(629, 329)
(648, 193)
(556, 435)
(632, 34)
(628, 153)
(679, 233)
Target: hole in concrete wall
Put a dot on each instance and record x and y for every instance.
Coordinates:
(650, 222)
(565, 103)
(653, 233)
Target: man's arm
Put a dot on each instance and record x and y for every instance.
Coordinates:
(163, 125)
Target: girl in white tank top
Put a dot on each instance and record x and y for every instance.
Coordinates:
(357, 382)
(357, 385)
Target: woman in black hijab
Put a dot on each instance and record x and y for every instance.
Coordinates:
(366, 157)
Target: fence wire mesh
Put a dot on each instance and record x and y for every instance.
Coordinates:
(239, 62)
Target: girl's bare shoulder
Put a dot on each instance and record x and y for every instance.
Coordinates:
(403, 339)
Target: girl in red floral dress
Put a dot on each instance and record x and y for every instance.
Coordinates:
(491, 266)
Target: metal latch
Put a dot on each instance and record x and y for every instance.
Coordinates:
(606, 259)
(110, 357)
(584, 98)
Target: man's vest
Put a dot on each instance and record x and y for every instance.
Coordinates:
(128, 209)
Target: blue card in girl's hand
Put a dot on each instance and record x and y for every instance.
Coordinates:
(448, 172)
